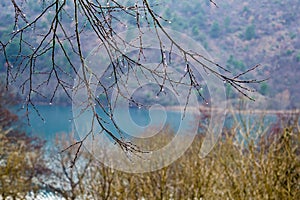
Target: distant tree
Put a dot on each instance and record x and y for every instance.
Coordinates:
(195, 30)
(298, 57)
(227, 24)
(236, 64)
(250, 32)
(263, 88)
(72, 22)
(215, 30)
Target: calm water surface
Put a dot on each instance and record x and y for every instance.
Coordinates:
(59, 120)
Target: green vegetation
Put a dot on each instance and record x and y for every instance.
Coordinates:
(289, 52)
(227, 24)
(298, 57)
(215, 30)
(263, 88)
(237, 65)
(293, 35)
(250, 32)
(246, 9)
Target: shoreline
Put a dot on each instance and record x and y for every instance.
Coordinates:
(230, 110)
(195, 109)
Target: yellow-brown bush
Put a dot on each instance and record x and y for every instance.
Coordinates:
(266, 167)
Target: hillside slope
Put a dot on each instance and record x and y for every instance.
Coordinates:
(242, 34)
(237, 34)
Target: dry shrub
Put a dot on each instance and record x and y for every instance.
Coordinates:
(266, 166)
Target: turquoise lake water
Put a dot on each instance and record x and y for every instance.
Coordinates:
(59, 120)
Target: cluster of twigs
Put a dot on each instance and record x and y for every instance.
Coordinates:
(69, 23)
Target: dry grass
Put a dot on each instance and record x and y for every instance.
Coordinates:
(266, 166)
